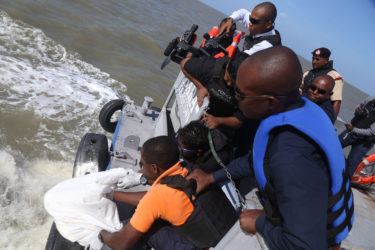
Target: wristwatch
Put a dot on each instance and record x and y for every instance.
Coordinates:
(143, 180)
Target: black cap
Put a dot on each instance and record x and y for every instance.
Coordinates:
(322, 52)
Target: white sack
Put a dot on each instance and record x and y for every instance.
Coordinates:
(80, 209)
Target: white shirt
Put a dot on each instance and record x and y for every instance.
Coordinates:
(243, 16)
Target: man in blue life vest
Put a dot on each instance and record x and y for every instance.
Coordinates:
(297, 159)
(260, 22)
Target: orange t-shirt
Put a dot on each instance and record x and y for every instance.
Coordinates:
(163, 202)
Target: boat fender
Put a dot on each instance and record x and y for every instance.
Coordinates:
(92, 155)
(107, 112)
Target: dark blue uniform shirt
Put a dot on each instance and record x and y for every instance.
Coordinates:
(299, 175)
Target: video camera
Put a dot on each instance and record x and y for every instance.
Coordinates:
(179, 47)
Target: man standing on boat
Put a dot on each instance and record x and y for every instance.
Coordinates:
(360, 133)
(296, 158)
(260, 23)
(323, 66)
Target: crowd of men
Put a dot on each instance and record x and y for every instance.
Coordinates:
(278, 122)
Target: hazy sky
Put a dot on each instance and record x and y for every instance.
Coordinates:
(346, 27)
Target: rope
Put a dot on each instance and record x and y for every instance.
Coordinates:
(229, 176)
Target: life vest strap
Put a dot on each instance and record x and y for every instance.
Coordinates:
(333, 232)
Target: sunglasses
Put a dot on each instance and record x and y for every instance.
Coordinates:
(184, 149)
(241, 96)
(255, 21)
(320, 91)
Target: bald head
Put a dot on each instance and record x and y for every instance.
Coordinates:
(269, 9)
(321, 89)
(275, 72)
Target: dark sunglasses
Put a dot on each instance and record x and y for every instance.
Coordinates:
(241, 96)
(184, 149)
(255, 21)
(320, 91)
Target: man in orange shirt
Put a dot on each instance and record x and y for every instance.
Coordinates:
(161, 165)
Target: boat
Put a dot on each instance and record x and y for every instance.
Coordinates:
(137, 123)
(134, 126)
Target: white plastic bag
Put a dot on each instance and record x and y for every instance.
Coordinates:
(80, 208)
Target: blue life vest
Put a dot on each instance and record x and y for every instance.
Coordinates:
(313, 122)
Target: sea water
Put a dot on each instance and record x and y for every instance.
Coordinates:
(60, 62)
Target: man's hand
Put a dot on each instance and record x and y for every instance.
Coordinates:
(203, 179)
(225, 27)
(211, 121)
(349, 127)
(201, 93)
(123, 239)
(113, 240)
(248, 219)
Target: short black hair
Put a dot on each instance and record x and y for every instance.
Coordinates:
(271, 11)
(235, 62)
(162, 151)
(194, 135)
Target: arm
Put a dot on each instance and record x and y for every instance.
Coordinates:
(336, 97)
(239, 167)
(336, 107)
(214, 122)
(364, 131)
(202, 91)
(131, 198)
(123, 239)
(241, 15)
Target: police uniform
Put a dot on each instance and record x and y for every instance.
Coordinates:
(309, 76)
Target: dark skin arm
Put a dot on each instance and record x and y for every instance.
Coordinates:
(225, 27)
(202, 91)
(214, 122)
(203, 179)
(248, 219)
(123, 239)
(336, 107)
(131, 198)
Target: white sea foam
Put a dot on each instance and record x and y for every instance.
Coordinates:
(22, 215)
(49, 90)
(39, 74)
(54, 98)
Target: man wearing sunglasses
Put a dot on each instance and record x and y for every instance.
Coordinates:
(260, 23)
(323, 66)
(320, 91)
(296, 158)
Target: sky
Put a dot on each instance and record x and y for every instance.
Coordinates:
(346, 27)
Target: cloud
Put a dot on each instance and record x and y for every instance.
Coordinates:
(283, 14)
